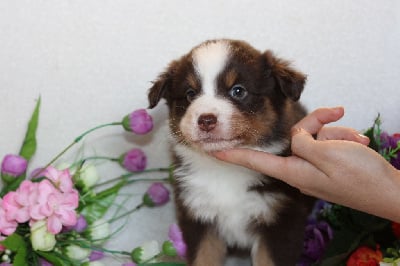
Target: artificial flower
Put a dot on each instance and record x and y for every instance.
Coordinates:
(156, 195)
(139, 122)
(145, 252)
(61, 179)
(99, 231)
(17, 203)
(391, 142)
(7, 227)
(41, 238)
(76, 252)
(134, 160)
(365, 256)
(87, 176)
(176, 238)
(317, 237)
(96, 255)
(13, 165)
(81, 224)
(59, 208)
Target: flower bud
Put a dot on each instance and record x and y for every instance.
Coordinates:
(99, 231)
(41, 238)
(13, 166)
(176, 238)
(129, 264)
(76, 252)
(169, 249)
(156, 195)
(96, 255)
(87, 176)
(134, 160)
(145, 252)
(139, 122)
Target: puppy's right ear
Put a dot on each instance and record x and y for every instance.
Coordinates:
(161, 86)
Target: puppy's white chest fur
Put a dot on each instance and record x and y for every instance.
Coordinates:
(219, 193)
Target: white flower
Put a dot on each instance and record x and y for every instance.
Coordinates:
(146, 251)
(41, 238)
(77, 253)
(88, 175)
(99, 231)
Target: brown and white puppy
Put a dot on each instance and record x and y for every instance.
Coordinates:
(225, 94)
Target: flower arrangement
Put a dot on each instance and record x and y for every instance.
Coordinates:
(337, 235)
(56, 215)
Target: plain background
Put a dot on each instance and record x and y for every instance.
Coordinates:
(93, 61)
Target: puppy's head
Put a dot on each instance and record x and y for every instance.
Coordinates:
(225, 93)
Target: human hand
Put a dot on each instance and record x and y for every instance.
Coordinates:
(336, 166)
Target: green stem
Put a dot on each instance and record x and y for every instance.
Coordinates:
(79, 138)
(126, 213)
(127, 175)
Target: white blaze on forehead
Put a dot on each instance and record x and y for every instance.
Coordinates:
(209, 60)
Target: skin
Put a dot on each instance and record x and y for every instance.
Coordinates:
(337, 166)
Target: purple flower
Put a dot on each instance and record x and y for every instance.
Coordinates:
(43, 262)
(139, 122)
(317, 237)
(129, 264)
(156, 195)
(96, 255)
(176, 237)
(134, 160)
(390, 141)
(13, 165)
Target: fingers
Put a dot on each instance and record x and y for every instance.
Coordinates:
(313, 122)
(259, 161)
(342, 133)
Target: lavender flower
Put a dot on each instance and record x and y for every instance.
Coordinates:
(96, 255)
(134, 160)
(139, 122)
(156, 195)
(176, 245)
(391, 142)
(317, 237)
(13, 166)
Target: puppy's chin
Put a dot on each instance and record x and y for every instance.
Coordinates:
(211, 145)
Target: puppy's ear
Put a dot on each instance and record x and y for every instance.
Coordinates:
(290, 81)
(158, 90)
(161, 86)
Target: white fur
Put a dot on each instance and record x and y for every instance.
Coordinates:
(217, 192)
(209, 60)
(222, 136)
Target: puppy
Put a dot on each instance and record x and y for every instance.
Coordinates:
(225, 94)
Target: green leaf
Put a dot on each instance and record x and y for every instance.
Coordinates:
(16, 243)
(29, 145)
(56, 258)
(95, 207)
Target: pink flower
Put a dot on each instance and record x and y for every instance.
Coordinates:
(61, 179)
(96, 255)
(13, 166)
(7, 227)
(176, 237)
(139, 122)
(134, 160)
(156, 195)
(57, 207)
(17, 204)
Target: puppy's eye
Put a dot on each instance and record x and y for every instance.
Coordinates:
(190, 94)
(238, 92)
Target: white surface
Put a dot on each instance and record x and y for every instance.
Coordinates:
(93, 61)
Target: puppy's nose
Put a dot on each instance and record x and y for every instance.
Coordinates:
(207, 122)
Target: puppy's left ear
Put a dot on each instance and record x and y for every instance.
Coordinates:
(290, 81)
